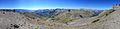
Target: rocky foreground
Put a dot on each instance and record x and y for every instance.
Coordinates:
(108, 19)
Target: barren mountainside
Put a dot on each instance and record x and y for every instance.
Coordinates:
(60, 19)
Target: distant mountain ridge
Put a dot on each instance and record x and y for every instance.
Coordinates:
(49, 12)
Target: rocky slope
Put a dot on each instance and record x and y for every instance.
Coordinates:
(13, 20)
(70, 19)
(110, 20)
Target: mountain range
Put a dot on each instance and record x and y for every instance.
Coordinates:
(59, 19)
(50, 12)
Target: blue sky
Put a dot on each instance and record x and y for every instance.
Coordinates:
(51, 4)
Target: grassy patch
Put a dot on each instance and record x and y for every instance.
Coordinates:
(66, 20)
(37, 27)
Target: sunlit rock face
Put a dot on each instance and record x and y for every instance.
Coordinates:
(11, 20)
(108, 20)
(15, 20)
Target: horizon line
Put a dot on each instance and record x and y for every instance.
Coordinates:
(54, 8)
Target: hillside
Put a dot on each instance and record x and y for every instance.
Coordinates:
(11, 20)
(65, 19)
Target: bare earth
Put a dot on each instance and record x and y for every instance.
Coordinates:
(105, 20)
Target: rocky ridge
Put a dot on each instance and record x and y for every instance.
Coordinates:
(108, 19)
